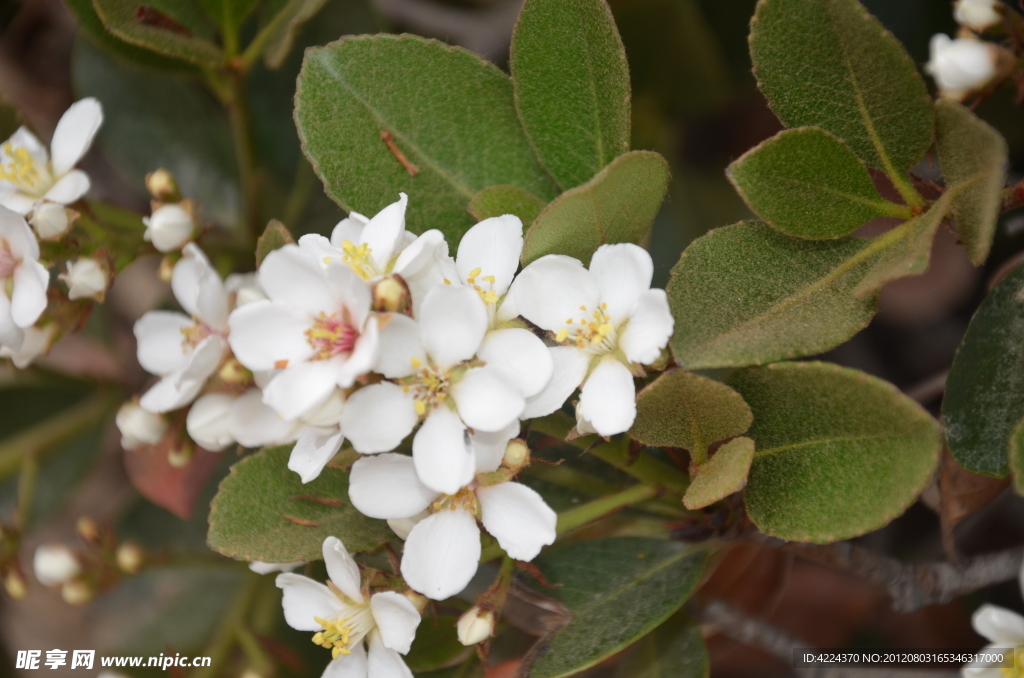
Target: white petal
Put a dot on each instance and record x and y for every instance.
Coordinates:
(350, 228)
(400, 347)
(649, 328)
(518, 518)
(442, 452)
(348, 665)
(520, 356)
(68, 188)
(608, 398)
(314, 448)
(486, 400)
(384, 230)
(253, 424)
(342, 569)
(259, 567)
(489, 448)
(362, 358)
(35, 343)
(493, 246)
(384, 662)
(321, 248)
(999, 625)
(385, 486)
(23, 138)
(301, 387)
(403, 526)
(14, 201)
(453, 321)
(15, 230)
(205, 359)
(397, 619)
(422, 254)
(570, 367)
(159, 340)
(199, 290)
(207, 421)
(293, 277)
(441, 554)
(305, 599)
(265, 334)
(170, 393)
(378, 417)
(29, 298)
(351, 292)
(623, 273)
(74, 134)
(552, 289)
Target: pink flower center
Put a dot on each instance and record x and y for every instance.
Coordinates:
(193, 335)
(7, 261)
(331, 335)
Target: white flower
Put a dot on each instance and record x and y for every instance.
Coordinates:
(138, 426)
(431, 360)
(184, 351)
(55, 564)
(169, 228)
(51, 220)
(259, 567)
(245, 287)
(315, 327)
(343, 618)
(978, 15)
(475, 626)
(960, 66)
(30, 175)
(85, 278)
(381, 246)
(442, 551)
(207, 421)
(37, 342)
(23, 280)
(606, 319)
(1003, 629)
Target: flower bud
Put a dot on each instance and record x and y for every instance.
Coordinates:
(89, 530)
(390, 295)
(162, 186)
(37, 342)
(234, 373)
(55, 564)
(76, 592)
(169, 228)
(961, 66)
(207, 421)
(138, 426)
(129, 557)
(86, 278)
(978, 15)
(14, 584)
(181, 454)
(475, 626)
(418, 601)
(52, 220)
(517, 454)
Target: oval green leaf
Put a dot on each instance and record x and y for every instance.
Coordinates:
(675, 649)
(448, 113)
(617, 205)
(830, 64)
(92, 26)
(263, 511)
(618, 590)
(985, 390)
(571, 86)
(807, 183)
(174, 28)
(839, 453)
(494, 201)
(746, 294)
(724, 474)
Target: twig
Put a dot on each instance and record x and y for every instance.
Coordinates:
(929, 389)
(385, 135)
(735, 624)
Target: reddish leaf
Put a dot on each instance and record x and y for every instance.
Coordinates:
(174, 489)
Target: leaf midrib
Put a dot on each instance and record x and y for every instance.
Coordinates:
(765, 452)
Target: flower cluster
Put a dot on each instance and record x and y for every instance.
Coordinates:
(967, 64)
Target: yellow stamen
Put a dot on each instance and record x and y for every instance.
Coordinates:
(21, 169)
(421, 407)
(475, 272)
(415, 362)
(562, 334)
(336, 635)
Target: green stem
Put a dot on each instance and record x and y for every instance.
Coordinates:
(905, 188)
(224, 638)
(259, 44)
(258, 660)
(245, 149)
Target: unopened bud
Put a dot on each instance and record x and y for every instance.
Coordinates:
(475, 626)
(418, 601)
(961, 66)
(978, 15)
(207, 421)
(76, 592)
(162, 186)
(14, 584)
(129, 557)
(234, 373)
(181, 454)
(51, 220)
(517, 454)
(55, 564)
(86, 278)
(138, 426)
(390, 295)
(169, 227)
(89, 530)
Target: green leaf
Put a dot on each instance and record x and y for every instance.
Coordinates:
(675, 649)
(1016, 457)
(618, 590)
(249, 517)
(174, 28)
(971, 150)
(572, 86)
(725, 473)
(746, 294)
(448, 112)
(91, 24)
(807, 183)
(984, 397)
(617, 205)
(282, 19)
(495, 201)
(830, 64)
(436, 645)
(683, 409)
(839, 452)
(275, 236)
(155, 120)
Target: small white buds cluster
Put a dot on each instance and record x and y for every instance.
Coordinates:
(172, 223)
(55, 565)
(962, 66)
(475, 626)
(139, 427)
(86, 278)
(977, 15)
(52, 220)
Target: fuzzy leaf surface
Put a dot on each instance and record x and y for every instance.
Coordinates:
(675, 649)
(839, 453)
(494, 201)
(92, 26)
(723, 474)
(174, 28)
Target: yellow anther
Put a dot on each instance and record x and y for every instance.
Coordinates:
(22, 167)
(415, 362)
(318, 638)
(335, 636)
(447, 281)
(583, 308)
(475, 272)
(562, 334)
(569, 321)
(604, 307)
(358, 259)
(421, 407)
(488, 278)
(338, 651)
(490, 297)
